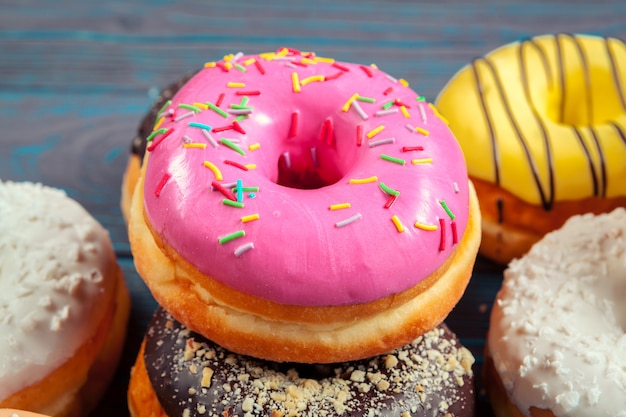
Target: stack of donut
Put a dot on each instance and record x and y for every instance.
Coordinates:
(543, 128)
(306, 225)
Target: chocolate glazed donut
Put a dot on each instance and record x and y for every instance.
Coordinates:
(192, 376)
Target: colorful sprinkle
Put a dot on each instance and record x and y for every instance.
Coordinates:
(295, 82)
(237, 127)
(156, 132)
(367, 70)
(209, 138)
(194, 146)
(158, 123)
(183, 116)
(455, 234)
(201, 106)
(396, 222)
(225, 191)
(200, 125)
(447, 209)
(334, 76)
(164, 179)
(232, 146)
(385, 112)
(393, 159)
(422, 131)
(243, 249)
(404, 82)
(366, 99)
(293, 130)
(259, 67)
(359, 135)
(248, 93)
(359, 110)
(311, 79)
(348, 103)
(314, 157)
(235, 164)
(423, 114)
(388, 190)
(217, 110)
(412, 148)
(390, 201)
(442, 241)
(363, 180)
(250, 218)
(375, 131)
(232, 236)
(286, 160)
(189, 107)
(216, 171)
(387, 105)
(156, 142)
(231, 203)
(405, 112)
(379, 142)
(164, 106)
(254, 146)
(425, 226)
(349, 220)
(388, 91)
(239, 190)
(421, 161)
(235, 85)
(250, 166)
(455, 187)
(339, 206)
(220, 99)
(341, 67)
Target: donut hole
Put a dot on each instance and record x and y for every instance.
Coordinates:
(581, 105)
(306, 162)
(297, 172)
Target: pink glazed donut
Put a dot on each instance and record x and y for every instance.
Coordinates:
(295, 208)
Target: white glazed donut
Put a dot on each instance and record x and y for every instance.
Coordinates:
(556, 340)
(63, 303)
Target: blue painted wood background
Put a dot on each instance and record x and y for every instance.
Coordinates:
(77, 76)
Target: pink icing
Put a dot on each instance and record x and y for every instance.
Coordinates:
(297, 252)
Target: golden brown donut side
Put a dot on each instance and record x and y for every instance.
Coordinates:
(76, 387)
(511, 226)
(142, 400)
(248, 325)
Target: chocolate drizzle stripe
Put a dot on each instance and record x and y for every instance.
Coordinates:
(536, 114)
(602, 161)
(494, 144)
(592, 170)
(615, 73)
(507, 107)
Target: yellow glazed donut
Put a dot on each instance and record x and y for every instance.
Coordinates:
(542, 123)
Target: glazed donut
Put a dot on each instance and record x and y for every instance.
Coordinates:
(432, 376)
(138, 144)
(556, 343)
(63, 303)
(542, 123)
(291, 228)
(8, 412)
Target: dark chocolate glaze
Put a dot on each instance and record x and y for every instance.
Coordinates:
(430, 377)
(597, 169)
(138, 145)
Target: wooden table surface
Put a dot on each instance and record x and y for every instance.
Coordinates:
(77, 76)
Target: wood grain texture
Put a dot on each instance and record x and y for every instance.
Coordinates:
(76, 77)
